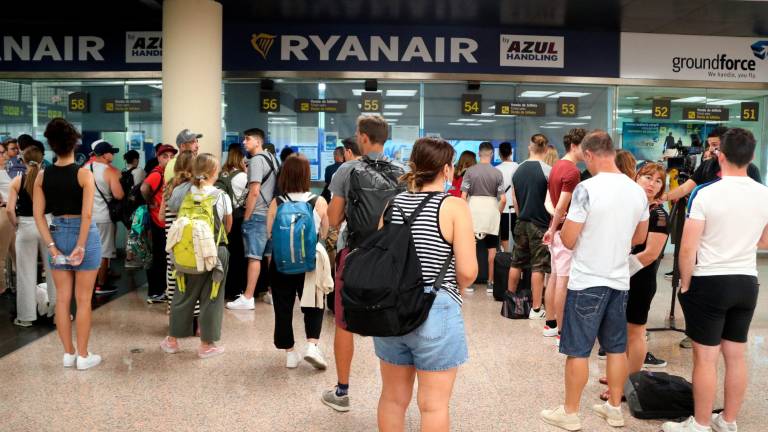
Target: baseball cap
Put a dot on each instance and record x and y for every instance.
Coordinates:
(186, 135)
(102, 147)
(165, 148)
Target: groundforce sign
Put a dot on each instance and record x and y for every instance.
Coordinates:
(700, 58)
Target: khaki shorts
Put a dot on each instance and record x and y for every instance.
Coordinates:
(528, 250)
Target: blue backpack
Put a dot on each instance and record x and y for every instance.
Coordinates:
(294, 236)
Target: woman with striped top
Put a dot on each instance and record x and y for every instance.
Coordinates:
(432, 352)
(174, 195)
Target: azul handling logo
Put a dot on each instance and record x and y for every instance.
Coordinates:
(144, 47)
(532, 51)
(337, 48)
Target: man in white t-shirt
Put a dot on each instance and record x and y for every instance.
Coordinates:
(607, 216)
(727, 222)
(508, 215)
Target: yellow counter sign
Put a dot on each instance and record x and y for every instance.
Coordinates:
(78, 102)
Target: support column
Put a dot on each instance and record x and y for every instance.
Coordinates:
(192, 40)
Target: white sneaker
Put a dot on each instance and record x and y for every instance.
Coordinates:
(292, 360)
(84, 363)
(489, 289)
(267, 298)
(469, 289)
(69, 360)
(689, 425)
(549, 331)
(242, 303)
(541, 314)
(314, 357)
(558, 417)
(610, 413)
(720, 425)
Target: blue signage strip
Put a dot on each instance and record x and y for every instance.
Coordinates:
(270, 47)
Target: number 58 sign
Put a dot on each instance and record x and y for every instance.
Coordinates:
(78, 102)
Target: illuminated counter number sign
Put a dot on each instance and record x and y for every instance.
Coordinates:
(524, 109)
(705, 113)
(270, 101)
(750, 111)
(78, 102)
(320, 105)
(661, 109)
(471, 103)
(568, 107)
(370, 102)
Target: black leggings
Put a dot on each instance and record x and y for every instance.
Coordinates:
(156, 273)
(285, 288)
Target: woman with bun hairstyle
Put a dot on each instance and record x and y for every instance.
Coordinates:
(442, 233)
(29, 244)
(66, 191)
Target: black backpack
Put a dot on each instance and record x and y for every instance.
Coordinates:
(126, 180)
(372, 185)
(658, 395)
(134, 199)
(384, 292)
(224, 183)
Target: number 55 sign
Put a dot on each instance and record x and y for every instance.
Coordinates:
(270, 101)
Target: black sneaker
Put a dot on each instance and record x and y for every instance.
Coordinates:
(668, 275)
(601, 354)
(159, 298)
(652, 362)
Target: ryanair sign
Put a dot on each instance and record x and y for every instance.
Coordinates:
(337, 48)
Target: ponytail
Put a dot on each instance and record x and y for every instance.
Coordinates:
(33, 157)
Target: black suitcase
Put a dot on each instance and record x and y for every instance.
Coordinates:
(501, 274)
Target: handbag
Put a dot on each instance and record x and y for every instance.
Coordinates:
(517, 305)
(115, 207)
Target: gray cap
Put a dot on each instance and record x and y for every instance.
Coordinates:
(187, 135)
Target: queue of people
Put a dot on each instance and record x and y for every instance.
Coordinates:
(215, 228)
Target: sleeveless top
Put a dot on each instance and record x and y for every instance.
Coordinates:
(431, 246)
(24, 201)
(100, 208)
(63, 194)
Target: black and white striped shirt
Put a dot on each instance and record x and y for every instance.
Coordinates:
(431, 246)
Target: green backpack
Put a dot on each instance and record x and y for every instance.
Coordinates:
(197, 210)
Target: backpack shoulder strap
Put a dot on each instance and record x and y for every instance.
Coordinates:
(312, 200)
(440, 277)
(95, 183)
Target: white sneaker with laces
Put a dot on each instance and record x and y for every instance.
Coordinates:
(292, 360)
(689, 425)
(69, 360)
(541, 314)
(610, 413)
(720, 425)
(92, 360)
(558, 417)
(314, 357)
(242, 303)
(549, 331)
(469, 289)
(267, 298)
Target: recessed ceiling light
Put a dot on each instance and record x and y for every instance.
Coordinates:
(535, 93)
(486, 120)
(557, 123)
(690, 99)
(358, 92)
(625, 111)
(473, 124)
(551, 127)
(486, 114)
(641, 111)
(587, 117)
(632, 97)
(724, 102)
(395, 106)
(575, 124)
(569, 94)
(392, 114)
(466, 120)
(405, 93)
(456, 124)
(279, 118)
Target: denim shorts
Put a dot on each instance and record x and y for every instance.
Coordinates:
(594, 313)
(255, 239)
(439, 344)
(65, 232)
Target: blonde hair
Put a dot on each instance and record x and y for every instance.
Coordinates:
(550, 157)
(626, 163)
(204, 168)
(182, 172)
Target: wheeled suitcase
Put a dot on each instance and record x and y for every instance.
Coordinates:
(501, 274)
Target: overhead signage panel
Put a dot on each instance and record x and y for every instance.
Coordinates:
(750, 111)
(471, 103)
(320, 105)
(126, 105)
(699, 58)
(661, 109)
(523, 109)
(705, 113)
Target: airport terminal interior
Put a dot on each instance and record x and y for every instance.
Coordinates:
(659, 77)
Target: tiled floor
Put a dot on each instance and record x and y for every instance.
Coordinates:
(513, 373)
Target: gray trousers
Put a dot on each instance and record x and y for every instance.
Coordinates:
(198, 287)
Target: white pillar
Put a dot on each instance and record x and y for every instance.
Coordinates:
(192, 39)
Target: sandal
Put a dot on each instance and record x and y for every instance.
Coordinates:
(603, 380)
(211, 351)
(607, 395)
(168, 347)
